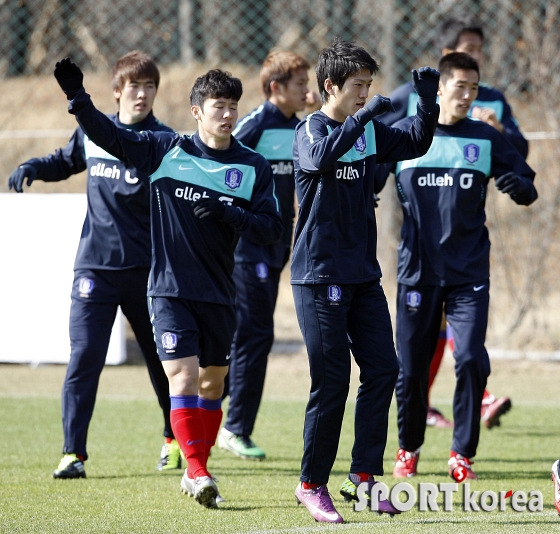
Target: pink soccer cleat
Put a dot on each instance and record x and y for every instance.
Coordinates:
(319, 503)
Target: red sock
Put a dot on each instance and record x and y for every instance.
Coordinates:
(211, 413)
(364, 477)
(188, 427)
(436, 360)
(309, 485)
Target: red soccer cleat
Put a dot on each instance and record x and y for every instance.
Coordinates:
(492, 409)
(407, 463)
(460, 468)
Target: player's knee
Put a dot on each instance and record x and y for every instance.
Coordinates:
(473, 364)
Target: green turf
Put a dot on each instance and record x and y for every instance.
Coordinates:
(124, 493)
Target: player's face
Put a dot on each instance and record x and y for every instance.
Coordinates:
(456, 95)
(471, 44)
(352, 96)
(291, 96)
(216, 120)
(136, 100)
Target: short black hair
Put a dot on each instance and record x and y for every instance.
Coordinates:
(339, 61)
(215, 83)
(456, 61)
(451, 29)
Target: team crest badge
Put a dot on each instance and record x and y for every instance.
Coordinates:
(169, 341)
(471, 152)
(233, 178)
(85, 287)
(262, 271)
(360, 144)
(334, 293)
(413, 299)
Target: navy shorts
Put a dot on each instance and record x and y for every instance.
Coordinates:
(185, 328)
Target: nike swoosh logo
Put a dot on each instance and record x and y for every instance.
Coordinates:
(276, 147)
(192, 442)
(181, 168)
(228, 356)
(332, 516)
(478, 288)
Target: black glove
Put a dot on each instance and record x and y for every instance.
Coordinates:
(18, 176)
(511, 184)
(205, 207)
(69, 77)
(376, 106)
(425, 82)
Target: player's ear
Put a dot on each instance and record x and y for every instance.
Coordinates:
(440, 88)
(329, 86)
(274, 86)
(196, 111)
(117, 93)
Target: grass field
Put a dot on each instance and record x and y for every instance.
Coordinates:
(124, 493)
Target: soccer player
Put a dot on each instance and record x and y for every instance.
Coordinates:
(338, 297)
(444, 260)
(269, 130)
(113, 259)
(206, 190)
(464, 34)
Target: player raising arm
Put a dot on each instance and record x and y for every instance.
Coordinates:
(206, 190)
(335, 273)
(444, 260)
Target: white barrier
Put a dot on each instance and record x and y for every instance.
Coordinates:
(39, 236)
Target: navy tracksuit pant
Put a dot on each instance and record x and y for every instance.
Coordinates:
(419, 310)
(256, 287)
(96, 295)
(334, 320)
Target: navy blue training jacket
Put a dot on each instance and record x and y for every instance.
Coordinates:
(192, 258)
(442, 194)
(336, 232)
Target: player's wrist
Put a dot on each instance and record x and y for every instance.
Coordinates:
(228, 215)
(363, 116)
(428, 103)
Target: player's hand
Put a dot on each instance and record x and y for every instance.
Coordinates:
(511, 184)
(69, 76)
(376, 106)
(206, 207)
(19, 175)
(488, 116)
(425, 81)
